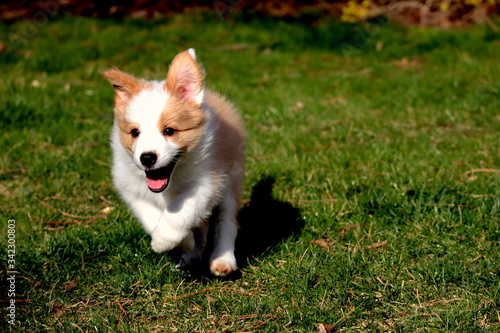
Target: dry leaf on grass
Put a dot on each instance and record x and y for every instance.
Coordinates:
(57, 308)
(377, 245)
(325, 328)
(324, 243)
(345, 229)
(71, 285)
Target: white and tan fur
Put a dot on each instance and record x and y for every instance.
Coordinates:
(179, 123)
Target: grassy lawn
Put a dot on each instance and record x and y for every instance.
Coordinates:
(372, 183)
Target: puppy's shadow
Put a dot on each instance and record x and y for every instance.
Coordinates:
(264, 222)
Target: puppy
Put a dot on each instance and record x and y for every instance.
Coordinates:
(178, 154)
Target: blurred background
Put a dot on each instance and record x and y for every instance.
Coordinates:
(439, 13)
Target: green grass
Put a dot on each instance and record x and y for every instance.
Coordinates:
(382, 142)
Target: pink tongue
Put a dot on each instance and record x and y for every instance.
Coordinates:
(156, 184)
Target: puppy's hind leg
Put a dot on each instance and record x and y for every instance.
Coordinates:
(222, 260)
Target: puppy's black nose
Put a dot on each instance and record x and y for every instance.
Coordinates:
(148, 159)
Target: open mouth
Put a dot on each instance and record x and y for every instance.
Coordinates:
(158, 179)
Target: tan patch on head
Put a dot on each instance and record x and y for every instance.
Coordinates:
(187, 119)
(126, 137)
(126, 88)
(183, 112)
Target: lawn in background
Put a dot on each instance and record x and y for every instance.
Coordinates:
(371, 194)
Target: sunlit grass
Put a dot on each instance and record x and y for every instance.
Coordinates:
(381, 143)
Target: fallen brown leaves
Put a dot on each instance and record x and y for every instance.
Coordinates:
(325, 328)
(327, 244)
(324, 243)
(251, 322)
(53, 224)
(77, 219)
(376, 245)
(206, 290)
(345, 229)
(418, 315)
(71, 285)
(57, 308)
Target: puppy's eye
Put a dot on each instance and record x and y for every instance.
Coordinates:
(168, 131)
(135, 133)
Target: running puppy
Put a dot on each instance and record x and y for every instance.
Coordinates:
(178, 153)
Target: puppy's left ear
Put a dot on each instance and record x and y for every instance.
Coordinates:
(185, 78)
(125, 85)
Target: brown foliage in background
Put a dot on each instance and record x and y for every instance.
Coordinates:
(439, 13)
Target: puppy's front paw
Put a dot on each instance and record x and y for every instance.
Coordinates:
(223, 265)
(161, 244)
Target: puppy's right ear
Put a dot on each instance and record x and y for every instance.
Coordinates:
(125, 85)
